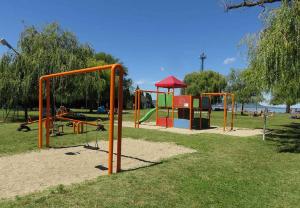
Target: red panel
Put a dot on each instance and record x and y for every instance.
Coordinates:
(182, 101)
(165, 122)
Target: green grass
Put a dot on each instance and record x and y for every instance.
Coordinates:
(224, 172)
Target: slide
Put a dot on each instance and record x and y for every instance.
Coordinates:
(147, 116)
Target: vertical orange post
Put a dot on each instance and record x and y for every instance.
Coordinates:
(200, 102)
(225, 112)
(47, 112)
(111, 121)
(120, 111)
(232, 110)
(139, 108)
(173, 106)
(191, 110)
(209, 111)
(40, 141)
(157, 105)
(135, 108)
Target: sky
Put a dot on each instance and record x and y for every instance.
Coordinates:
(153, 38)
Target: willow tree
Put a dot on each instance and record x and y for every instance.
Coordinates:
(42, 51)
(274, 55)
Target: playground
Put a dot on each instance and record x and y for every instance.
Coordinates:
(150, 104)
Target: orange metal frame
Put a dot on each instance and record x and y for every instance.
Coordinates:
(137, 105)
(225, 95)
(112, 68)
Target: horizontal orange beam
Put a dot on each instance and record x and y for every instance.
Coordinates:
(153, 91)
(81, 71)
(74, 120)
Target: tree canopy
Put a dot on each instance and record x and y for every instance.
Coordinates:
(206, 81)
(51, 49)
(274, 54)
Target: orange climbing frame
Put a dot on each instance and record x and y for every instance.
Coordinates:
(112, 68)
(225, 95)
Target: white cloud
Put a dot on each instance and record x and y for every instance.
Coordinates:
(140, 82)
(229, 60)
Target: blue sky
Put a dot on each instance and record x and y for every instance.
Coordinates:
(153, 38)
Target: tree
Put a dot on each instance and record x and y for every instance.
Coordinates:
(206, 81)
(42, 51)
(274, 55)
(242, 84)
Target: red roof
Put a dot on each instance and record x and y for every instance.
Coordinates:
(171, 82)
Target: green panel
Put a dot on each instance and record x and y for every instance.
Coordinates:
(196, 103)
(205, 103)
(161, 100)
(169, 98)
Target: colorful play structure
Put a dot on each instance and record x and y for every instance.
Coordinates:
(77, 123)
(192, 112)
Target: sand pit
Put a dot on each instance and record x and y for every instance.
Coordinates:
(24, 173)
(240, 132)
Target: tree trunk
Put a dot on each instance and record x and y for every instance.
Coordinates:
(25, 113)
(288, 108)
(242, 111)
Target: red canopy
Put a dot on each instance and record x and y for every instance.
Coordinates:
(171, 82)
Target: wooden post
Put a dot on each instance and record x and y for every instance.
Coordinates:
(48, 113)
(120, 111)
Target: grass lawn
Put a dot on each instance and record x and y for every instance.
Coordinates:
(224, 172)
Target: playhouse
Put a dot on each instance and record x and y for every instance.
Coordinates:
(180, 111)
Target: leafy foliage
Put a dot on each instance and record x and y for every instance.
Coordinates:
(242, 84)
(206, 81)
(274, 54)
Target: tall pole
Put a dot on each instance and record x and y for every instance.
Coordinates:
(202, 57)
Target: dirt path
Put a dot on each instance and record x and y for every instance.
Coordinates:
(24, 173)
(240, 132)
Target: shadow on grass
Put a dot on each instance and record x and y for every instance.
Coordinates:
(287, 137)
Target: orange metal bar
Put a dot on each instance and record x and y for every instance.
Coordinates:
(82, 71)
(200, 100)
(120, 111)
(173, 105)
(153, 91)
(157, 106)
(111, 121)
(139, 109)
(135, 108)
(209, 110)
(47, 112)
(232, 110)
(40, 139)
(191, 110)
(225, 113)
(75, 120)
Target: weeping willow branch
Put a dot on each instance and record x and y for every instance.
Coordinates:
(248, 3)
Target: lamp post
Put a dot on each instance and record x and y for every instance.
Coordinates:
(5, 43)
(202, 57)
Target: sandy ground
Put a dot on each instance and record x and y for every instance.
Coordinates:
(24, 173)
(240, 132)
